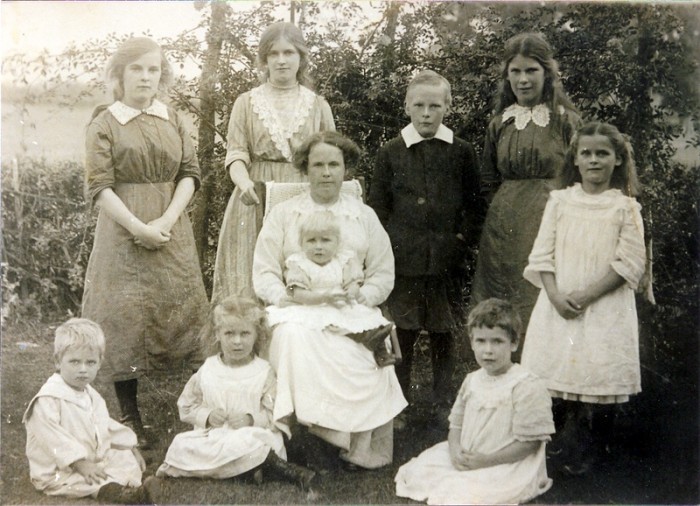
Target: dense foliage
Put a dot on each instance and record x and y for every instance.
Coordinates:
(634, 65)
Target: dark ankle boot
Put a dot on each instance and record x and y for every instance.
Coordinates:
(276, 466)
(114, 493)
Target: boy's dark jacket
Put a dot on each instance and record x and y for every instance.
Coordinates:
(424, 195)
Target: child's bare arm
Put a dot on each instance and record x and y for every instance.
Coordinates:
(456, 452)
(611, 281)
(309, 297)
(567, 307)
(514, 452)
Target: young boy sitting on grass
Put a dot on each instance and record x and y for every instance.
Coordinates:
(74, 448)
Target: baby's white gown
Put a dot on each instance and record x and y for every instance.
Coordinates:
(349, 318)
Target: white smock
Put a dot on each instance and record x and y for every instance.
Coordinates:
(491, 412)
(224, 452)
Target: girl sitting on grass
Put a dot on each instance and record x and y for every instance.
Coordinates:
(499, 424)
(229, 402)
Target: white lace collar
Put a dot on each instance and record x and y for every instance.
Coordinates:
(123, 113)
(523, 115)
(279, 134)
(411, 136)
(345, 206)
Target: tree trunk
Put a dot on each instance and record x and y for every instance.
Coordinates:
(207, 124)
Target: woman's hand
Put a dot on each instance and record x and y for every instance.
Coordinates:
(567, 307)
(93, 472)
(217, 418)
(163, 224)
(150, 237)
(352, 291)
(248, 195)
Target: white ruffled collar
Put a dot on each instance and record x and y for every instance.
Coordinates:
(278, 133)
(539, 115)
(123, 113)
(595, 199)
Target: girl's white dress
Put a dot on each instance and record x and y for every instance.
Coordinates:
(223, 452)
(491, 412)
(595, 357)
(342, 270)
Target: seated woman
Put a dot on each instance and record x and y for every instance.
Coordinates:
(332, 384)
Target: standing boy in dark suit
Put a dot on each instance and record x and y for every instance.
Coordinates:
(425, 190)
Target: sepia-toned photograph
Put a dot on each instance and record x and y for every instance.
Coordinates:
(350, 252)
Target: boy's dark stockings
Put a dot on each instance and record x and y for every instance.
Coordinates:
(441, 357)
(127, 396)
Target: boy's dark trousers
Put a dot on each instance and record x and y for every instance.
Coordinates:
(441, 358)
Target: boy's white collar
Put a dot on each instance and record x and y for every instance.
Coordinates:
(411, 136)
(123, 113)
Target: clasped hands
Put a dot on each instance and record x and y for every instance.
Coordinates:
(153, 235)
(219, 418)
(335, 298)
(571, 305)
(465, 461)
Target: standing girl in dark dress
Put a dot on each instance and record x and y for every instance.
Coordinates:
(525, 146)
(143, 284)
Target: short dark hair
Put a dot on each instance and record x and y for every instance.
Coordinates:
(351, 152)
(495, 312)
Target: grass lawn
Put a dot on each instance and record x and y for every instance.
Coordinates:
(654, 458)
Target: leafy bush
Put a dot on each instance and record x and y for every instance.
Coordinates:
(47, 232)
(631, 64)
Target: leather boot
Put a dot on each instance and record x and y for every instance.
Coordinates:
(114, 493)
(287, 471)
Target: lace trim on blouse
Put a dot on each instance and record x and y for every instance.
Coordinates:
(123, 113)
(344, 206)
(539, 115)
(493, 391)
(280, 134)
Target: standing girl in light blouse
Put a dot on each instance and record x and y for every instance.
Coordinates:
(266, 125)
(143, 283)
(525, 145)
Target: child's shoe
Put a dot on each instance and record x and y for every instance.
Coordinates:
(150, 492)
(288, 471)
(375, 342)
(382, 356)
